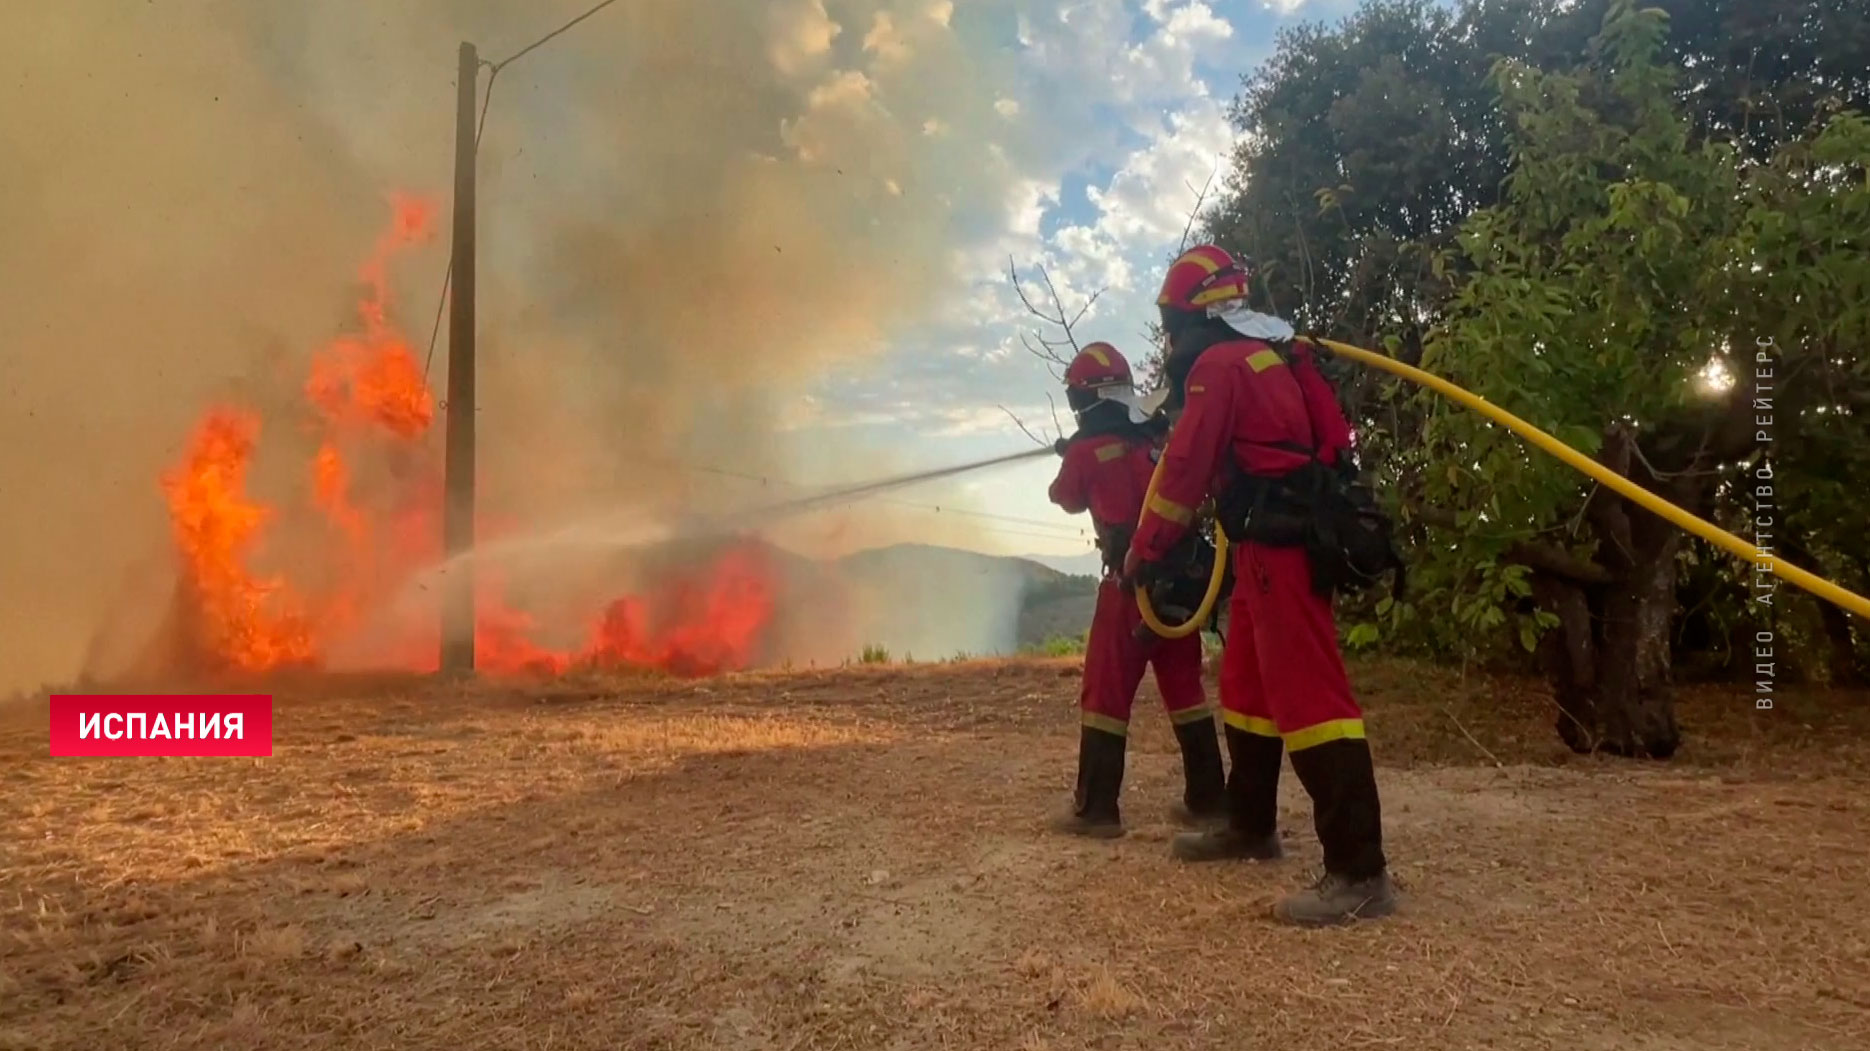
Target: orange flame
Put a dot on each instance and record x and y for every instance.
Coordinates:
(370, 397)
(696, 626)
(232, 619)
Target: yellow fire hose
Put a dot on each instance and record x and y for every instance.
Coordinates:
(1656, 505)
(1215, 580)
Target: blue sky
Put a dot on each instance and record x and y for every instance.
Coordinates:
(1148, 82)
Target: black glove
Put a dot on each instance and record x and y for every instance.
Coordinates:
(1061, 445)
(1145, 574)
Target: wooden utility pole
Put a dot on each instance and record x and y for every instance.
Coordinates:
(457, 643)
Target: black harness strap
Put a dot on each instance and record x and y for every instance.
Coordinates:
(1326, 510)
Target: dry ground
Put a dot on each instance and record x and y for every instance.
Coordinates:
(857, 859)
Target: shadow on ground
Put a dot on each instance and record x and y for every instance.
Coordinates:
(858, 858)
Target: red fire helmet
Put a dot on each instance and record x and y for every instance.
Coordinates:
(1202, 276)
(1097, 365)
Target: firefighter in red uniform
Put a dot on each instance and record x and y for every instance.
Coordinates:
(1254, 408)
(1108, 462)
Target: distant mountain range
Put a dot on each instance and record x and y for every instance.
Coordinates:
(1045, 597)
(1089, 564)
(921, 600)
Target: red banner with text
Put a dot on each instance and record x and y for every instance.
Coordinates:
(161, 724)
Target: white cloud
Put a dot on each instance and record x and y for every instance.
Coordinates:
(1082, 63)
(1143, 208)
(1150, 196)
(1027, 205)
(1092, 258)
(802, 35)
(1088, 42)
(886, 42)
(987, 419)
(1188, 32)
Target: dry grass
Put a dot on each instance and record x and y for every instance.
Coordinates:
(857, 859)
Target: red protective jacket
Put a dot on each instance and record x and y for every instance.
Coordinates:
(1241, 399)
(1106, 475)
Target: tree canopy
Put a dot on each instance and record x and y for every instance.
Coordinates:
(1640, 228)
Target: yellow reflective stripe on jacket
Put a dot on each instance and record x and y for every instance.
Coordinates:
(1171, 510)
(1260, 361)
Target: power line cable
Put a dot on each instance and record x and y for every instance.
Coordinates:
(523, 52)
(448, 275)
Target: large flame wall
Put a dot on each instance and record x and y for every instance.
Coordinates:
(370, 404)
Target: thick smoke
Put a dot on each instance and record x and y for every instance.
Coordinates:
(690, 210)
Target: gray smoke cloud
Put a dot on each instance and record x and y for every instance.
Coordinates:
(690, 210)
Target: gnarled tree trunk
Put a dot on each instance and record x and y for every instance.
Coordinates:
(1609, 659)
(1608, 662)
(1636, 692)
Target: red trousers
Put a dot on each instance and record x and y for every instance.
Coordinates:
(1114, 661)
(1281, 672)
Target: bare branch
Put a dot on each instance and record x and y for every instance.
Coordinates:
(1056, 351)
(1054, 405)
(1201, 197)
(1021, 424)
(1045, 353)
(1059, 305)
(1470, 737)
(1087, 306)
(1020, 290)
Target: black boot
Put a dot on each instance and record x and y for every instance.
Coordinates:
(1251, 831)
(1204, 779)
(1100, 779)
(1341, 780)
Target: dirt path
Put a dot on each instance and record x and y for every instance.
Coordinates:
(858, 860)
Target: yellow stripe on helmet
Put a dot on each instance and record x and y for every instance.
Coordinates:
(1200, 259)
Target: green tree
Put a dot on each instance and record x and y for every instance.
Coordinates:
(1629, 255)
(1367, 148)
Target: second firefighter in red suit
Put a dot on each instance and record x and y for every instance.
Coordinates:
(1254, 409)
(1106, 470)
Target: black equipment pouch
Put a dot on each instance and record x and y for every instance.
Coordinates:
(1332, 513)
(1190, 564)
(1114, 543)
(1188, 569)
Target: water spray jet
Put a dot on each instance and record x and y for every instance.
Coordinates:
(617, 531)
(854, 492)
